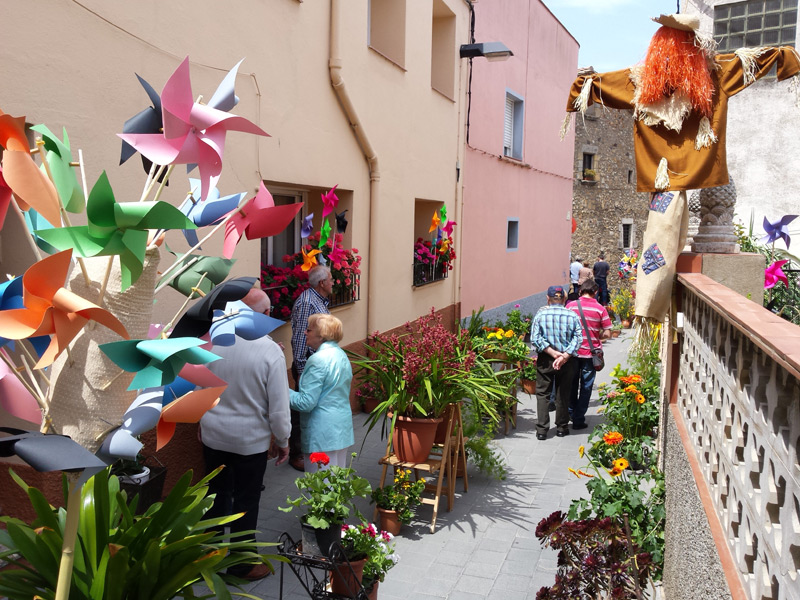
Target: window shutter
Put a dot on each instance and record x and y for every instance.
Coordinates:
(508, 126)
(619, 240)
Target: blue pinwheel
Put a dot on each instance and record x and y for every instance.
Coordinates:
(208, 212)
(778, 229)
(11, 298)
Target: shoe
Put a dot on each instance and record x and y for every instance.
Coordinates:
(562, 432)
(576, 426)
(297, 463)
(541, 436)
(256, 573)
(551, 407)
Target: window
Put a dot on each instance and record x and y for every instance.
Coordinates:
(627, 234)
(431, 258)
(387, 29)
(512, 234)
(588, 172)
(512, 128)
(755, 23)
(443, 45)
(274, 248)
(630, 175)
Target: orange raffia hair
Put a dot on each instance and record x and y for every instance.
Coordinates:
(675, 63)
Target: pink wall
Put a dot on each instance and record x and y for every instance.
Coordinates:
(536, 190)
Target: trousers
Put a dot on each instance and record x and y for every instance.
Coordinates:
(581, 389)
(546, 378)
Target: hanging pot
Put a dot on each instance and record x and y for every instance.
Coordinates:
(413, 438)
(346, 578)
(390, 520)
(317, 542)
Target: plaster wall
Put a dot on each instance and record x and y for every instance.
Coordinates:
(535, 190)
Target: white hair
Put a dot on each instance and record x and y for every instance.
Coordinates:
(317, 275)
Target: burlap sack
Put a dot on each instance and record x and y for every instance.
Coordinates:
(84, 404)
(664, 239)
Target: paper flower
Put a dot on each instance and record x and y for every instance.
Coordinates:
(196, 322)
(35, 222)
(341, 222)
(329, 201)
(448, 228)
(211, 269)
(324, 233)
(193, 133)
(116, 229)
(257, 219)
(5, 199)
(307, 227)
(778, 229)
(156, 362)
(59, 159)
(239, 320)
(32, 188)
(51, 309)
(48, 452)
(443, 213)
(309, 259)
(774, 273)
(208, 212)
(435, 221)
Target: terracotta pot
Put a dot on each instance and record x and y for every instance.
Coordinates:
(441, 428)
(369, 405)
(626, 324)
(390, 520)
(413, 438)
(496, 355)
(615, 333)
(317, 542)
(372, 592)
(346, 578)
(528, 386)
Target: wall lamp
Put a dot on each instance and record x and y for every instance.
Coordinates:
(489, 50)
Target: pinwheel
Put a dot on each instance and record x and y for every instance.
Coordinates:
(448, 228)
(435, 221)
(11, 298)
(117, 229)
(146, 121)
(197, 320)
(307, 227)
(142, 415)
(208, 212)
(189, 408)
(49, 308)
(258, 218)
(341, 222)
(774, 273)
(329, 201)
(239, 320)
(336, 255)
(5, 199)
(15, 399)
(35, 222)
(778, 229)
(193, 133)
(201, 275)
(309, 259)
(59, 159)
(47, 452)
(31, 187)
(443, 213)
(156, 362)
(324, 233)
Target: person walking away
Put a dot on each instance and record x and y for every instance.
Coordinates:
(574, 274)
(312, 301)
(556, 335)
(600, 271)
(599, 325)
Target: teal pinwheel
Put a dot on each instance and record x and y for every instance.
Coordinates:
(116, 229)
(156, 362)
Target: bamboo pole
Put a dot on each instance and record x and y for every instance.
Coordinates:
(70, 535)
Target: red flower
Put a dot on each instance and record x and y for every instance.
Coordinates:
(319, 457)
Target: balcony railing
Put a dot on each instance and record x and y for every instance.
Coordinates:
(346, 296)
(428, 273)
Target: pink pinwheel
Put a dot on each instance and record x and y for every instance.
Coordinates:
(337, 255)
(778, 229)
(774, 273)
(193, 133)
(448, 228)
(330, 201)
(258, 218)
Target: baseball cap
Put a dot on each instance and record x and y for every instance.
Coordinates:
(554, 291)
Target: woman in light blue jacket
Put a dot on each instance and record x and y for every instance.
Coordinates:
(324, 397)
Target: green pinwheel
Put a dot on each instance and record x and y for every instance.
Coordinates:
(116, 229)
(59, 159)
(202, 273)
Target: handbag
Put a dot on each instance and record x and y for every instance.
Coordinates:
(598, 360)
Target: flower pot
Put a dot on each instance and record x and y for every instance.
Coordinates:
(626, 324)
(390, 520)
(615, 333)
(496, 355)
(346, 578)
(441, 428)
(317, 542)
(370, 404)
(149, 490)
(372, 591)
(136, 478)
(413, 438)
(528, 386)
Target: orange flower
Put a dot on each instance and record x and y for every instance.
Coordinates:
(632, 389)
(630, 379)
(574, 472)
(615, 472)
(585, 474)
(621, 464)
(612, 438)
(639, 398)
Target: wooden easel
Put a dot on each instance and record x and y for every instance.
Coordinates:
(439, 465)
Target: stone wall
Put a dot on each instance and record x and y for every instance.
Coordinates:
(600, 207)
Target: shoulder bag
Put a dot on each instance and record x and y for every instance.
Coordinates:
(598, 360)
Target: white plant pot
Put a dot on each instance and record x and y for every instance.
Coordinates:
(136, 478)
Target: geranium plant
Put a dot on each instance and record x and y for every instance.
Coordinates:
(327, 494)
(365, 541)
(403, 496)
(433, 259)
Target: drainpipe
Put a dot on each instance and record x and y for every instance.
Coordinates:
(335, 68)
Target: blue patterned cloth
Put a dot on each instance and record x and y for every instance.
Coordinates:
(556, 326)
(660, 201)
(652, 259)
(307, 304)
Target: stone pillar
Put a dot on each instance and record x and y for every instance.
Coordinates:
(715, 232)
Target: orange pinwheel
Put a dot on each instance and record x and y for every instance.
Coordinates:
(309, 259)
(435, 221)
(30, 185)
(189, 408)
(51, 309)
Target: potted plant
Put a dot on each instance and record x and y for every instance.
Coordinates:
(419, 373)
(327, 495)
(623, 305)
(136, 478)
(368, 396)
(503, 345)
(527, 375)
(616, 329)
(589, 175)
(369, 553)
(517, 322)
(396, 502)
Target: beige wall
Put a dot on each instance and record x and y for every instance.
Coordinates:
(73, 65)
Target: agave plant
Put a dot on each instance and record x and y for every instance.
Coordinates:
(119, 555)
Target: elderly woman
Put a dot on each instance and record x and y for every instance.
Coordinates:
(323, 401)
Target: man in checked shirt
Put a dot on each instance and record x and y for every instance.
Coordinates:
(313, 300)
(556, 335)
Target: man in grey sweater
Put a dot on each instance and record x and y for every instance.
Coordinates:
(252, 416)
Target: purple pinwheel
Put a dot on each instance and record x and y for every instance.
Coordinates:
(194, 134)
(330, 201)
(778, 229)
(208, 212)
(307, 227)
(774, 273)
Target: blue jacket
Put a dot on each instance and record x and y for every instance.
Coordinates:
(324, 400)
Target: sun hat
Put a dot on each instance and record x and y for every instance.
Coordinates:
(554, 291)
(680, 21)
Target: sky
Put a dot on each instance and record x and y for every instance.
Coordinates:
(613, 34)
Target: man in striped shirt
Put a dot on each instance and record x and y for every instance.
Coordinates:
(556, 335)
(600, 329)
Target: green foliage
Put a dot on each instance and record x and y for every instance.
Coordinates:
(403, 496)
(517, 322)
(119, 555)
(480, 447)
(622, 304)
(527, 369)
(327, 495)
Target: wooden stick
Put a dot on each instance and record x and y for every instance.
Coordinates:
(33, 360)
(30, 236)
(195, 290)
(146, 189)
(83, 174)
(70, 535)
(105, 281)
(159, 172)
(163, 183)
(47, 422)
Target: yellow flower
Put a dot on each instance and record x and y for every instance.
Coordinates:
(621, 464)
(639, 398)
(574, 472)
(631, 389)
(580, 451)
(509, 333)
(601, 410)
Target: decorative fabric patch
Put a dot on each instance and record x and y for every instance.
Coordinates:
(652, 259)
(660, 201)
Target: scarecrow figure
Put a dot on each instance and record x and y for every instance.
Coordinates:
(679, 97)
